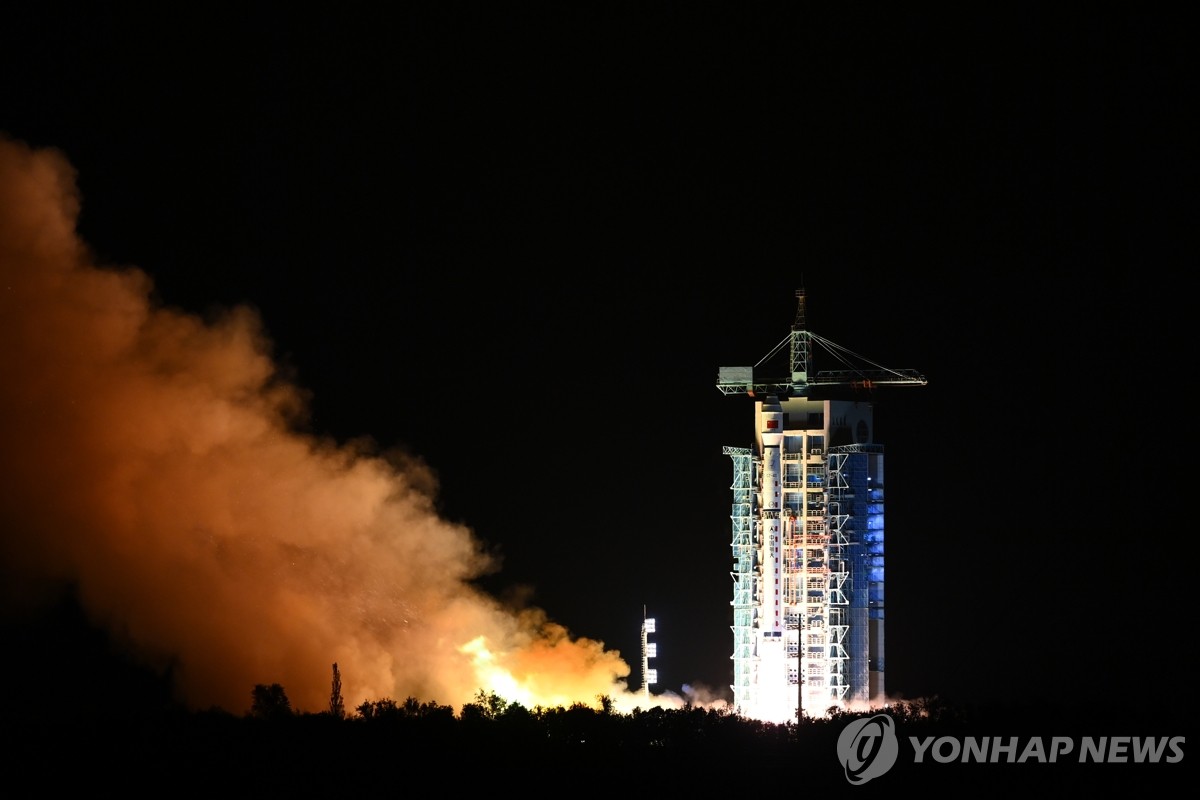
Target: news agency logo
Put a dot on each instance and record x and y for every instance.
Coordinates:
(868, 748)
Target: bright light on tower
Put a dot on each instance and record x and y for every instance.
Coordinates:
(649, 651)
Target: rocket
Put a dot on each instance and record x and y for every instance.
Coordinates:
(772, 502)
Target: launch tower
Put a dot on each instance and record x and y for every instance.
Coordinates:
(807, 520)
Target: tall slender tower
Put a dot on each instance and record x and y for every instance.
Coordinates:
(649, 651)
(807, 525)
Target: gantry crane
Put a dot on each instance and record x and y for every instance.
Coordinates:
(741, 380)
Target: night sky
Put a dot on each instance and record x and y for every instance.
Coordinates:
(517, 245)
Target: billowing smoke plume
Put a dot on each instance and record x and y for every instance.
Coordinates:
(152, 458)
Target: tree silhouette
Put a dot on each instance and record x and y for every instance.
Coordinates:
(269, 702)
(336, 707)
(385, 708)
(487, 705)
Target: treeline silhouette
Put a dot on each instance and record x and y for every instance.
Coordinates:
(80, 710)
(384, 745)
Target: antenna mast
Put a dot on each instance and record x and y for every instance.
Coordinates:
(800, 343)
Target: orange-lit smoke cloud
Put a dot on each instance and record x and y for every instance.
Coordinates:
(152, 458)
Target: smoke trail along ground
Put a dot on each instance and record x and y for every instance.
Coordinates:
(152, 458)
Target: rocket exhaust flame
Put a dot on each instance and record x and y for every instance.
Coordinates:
(151, 459)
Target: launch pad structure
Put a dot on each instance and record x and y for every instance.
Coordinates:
(808, 535)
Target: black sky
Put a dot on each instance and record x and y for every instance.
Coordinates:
(520, 242)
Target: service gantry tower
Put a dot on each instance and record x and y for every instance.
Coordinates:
(807, 519)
